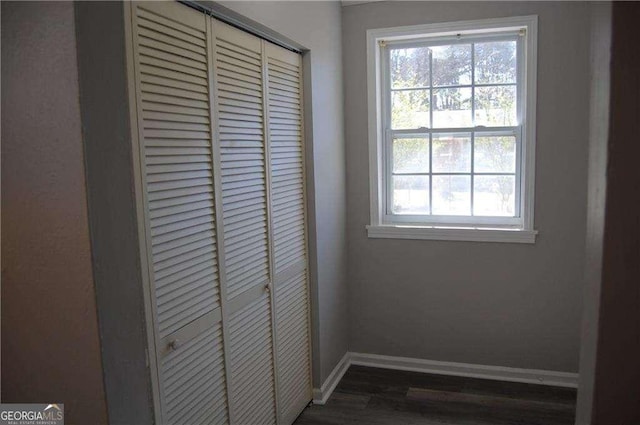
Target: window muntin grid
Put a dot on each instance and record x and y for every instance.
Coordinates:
(470, 84)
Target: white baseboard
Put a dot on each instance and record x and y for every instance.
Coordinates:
(320, 396)
(497, 373)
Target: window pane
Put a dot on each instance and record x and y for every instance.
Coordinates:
(411, 194)
(452, 108)
(451, 153)
(451, 195)
(494, 195)
(411, 155)
(409, 67)
(409, 109)
(495, 154)
(451, 65)
(495, 62)
(495, 106)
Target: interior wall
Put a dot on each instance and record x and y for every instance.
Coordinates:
(616, 398)
(516, 305)
(316, 25)
(598, 138)
(50, 345)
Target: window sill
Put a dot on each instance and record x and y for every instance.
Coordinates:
(452, 234)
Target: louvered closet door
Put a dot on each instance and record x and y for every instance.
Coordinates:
(283, 70)
(243, 171)
(172, 67)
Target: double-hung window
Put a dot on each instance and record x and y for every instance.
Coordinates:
(452, 131)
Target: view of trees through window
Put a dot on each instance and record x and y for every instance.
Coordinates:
(454, 120)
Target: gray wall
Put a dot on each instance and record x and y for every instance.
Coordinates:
(598, 138)
(50, 345)
(316, 26)
(485, 303)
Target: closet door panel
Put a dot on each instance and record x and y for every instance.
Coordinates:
(172, 85)
(294, 367)
(252, 363)
(194, 381)
(286, 152)
(285, 134)
(243, 183)
(242, 158)
(178, 177)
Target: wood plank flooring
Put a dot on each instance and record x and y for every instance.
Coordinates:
(384, 397)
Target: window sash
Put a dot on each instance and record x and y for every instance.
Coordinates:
(388, 217)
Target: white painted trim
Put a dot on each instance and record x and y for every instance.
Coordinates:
(320, 396)
(374, 104)
(452, 234)
(529, 128)
(346, 3)
(478, 26)
(374, 113)
(131, 51)
(495, 373)
(498, 373)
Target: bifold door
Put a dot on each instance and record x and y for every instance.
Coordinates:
(175, 128)
(220, 187)
(243, 176)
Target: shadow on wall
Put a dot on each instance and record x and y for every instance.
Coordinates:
(50, 342)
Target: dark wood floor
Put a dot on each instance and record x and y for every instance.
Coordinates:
(384, 397)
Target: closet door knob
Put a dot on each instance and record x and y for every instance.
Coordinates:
(268, 287)
(175, 344)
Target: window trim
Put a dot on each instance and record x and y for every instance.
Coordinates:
(478, 229)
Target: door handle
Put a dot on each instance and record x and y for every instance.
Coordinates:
(175, 344)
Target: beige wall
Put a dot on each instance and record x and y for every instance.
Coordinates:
(486, 303)
(50, 343)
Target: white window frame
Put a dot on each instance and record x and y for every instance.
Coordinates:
(466, 228)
